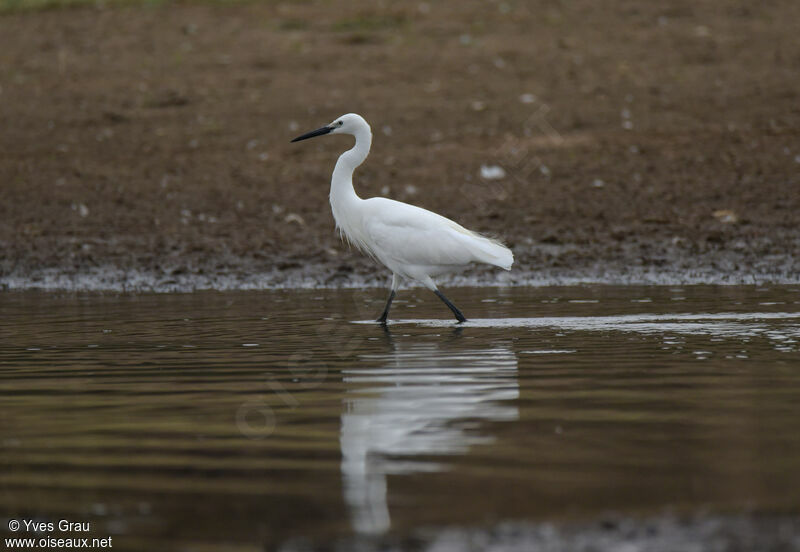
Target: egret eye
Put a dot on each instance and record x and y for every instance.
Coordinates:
(340, 123)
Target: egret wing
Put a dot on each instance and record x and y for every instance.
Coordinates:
(410, 235)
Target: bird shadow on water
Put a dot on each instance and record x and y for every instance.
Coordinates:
(417, 400)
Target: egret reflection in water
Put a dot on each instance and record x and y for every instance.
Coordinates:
(423, 401)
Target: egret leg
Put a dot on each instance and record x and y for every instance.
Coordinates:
(459, 316)
(382, 318)
(392, 293)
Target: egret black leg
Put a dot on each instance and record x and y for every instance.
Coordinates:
(385, 314)
(459, 316)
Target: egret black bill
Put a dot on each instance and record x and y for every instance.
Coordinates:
(318, 132)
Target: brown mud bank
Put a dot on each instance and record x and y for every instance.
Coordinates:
(148, 148)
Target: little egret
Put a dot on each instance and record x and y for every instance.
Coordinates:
(410, 241)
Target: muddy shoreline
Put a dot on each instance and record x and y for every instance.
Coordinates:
(111, 279)
(665, 533)
(148, 148)
(541, 265)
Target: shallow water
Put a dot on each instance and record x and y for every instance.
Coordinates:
(228, 421)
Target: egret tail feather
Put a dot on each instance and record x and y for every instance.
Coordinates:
(490, 251)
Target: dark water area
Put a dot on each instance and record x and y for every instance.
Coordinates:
(259, 420)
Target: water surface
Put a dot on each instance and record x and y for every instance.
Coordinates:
(228, 421)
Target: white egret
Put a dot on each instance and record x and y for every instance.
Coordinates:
(410, 241)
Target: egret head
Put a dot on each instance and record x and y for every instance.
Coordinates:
(350, 123)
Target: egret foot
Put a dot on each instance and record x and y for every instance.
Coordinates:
(382, 318)
(459, 316)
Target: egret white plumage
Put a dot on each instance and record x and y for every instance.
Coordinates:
(412, 242)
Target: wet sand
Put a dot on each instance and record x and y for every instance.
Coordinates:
(148, 148)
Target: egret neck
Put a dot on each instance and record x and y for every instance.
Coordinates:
(343, 196)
